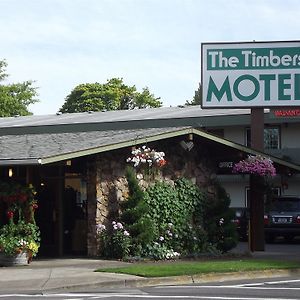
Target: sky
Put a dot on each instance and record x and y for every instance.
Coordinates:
(149, 43)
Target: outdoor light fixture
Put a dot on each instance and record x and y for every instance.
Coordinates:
(69, 163)
(188, 146)
(10, 172)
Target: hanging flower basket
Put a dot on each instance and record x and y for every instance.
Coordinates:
(147, 162)
(257, 165)
(145, 156)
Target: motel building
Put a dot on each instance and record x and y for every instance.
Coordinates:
(76, 162)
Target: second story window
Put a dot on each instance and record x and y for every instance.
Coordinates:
(271, 138)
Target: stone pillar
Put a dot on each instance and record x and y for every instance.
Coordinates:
(92, 175)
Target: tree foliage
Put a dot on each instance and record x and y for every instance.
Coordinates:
(177, 212)
(218, 220)
(197, 99)
(135, 214)
(112, 95)
(15, 97)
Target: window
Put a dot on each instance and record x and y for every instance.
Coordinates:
(271, 138)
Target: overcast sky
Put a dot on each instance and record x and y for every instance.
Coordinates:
(153, 43)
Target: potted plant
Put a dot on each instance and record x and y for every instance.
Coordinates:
(20, 237)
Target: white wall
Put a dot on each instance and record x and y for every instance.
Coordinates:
(235, 186)
(290, 136)
(235, 134)
(290, 139)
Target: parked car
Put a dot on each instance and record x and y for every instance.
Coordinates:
(282, 218)
(241, 221)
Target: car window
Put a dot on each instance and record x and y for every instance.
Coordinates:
(285, 205)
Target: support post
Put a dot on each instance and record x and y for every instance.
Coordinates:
(256, 236)
(60, 211)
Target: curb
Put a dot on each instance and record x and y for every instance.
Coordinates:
(178, 280)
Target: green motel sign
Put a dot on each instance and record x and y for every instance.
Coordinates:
(256, 74)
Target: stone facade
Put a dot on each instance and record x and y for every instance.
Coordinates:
(107, 186)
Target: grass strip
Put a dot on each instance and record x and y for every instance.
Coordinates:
(177, 268)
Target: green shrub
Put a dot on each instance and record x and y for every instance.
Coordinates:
(135, 215)
(172, 209)
(218, 220)
(167, 220)
(115, 241)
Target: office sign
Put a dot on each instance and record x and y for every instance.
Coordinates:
(245, 75)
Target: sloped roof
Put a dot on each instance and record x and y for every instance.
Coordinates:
(124, 119)
(39, 149)
(50, 147)
(117, 116)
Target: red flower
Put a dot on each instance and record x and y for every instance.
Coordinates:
(34, 206)
(10, 214)
(161, 162)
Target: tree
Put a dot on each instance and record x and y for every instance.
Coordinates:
(112, 95)
(218, 220)
(16, 97)
(135, 214)
(197, 99)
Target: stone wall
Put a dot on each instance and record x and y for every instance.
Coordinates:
(108, 187)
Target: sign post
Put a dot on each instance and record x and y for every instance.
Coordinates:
(252, 75)
(257, 236)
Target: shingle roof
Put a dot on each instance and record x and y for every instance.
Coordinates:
(124, 119)
(118, 116)
(48, 148)
(45, 148)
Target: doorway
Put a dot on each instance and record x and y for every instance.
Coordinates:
(74, 216)
(47, 216)
(61, 214)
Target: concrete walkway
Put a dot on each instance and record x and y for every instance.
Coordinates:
(53, 275)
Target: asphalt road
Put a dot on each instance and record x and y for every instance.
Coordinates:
(278, 289)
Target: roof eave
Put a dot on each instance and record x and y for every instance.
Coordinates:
(245, 149)
(20, 162)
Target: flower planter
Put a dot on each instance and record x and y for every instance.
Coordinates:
(20, 259)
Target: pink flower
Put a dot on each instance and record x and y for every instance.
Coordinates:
(258, 165)
(119, 225)
(100, 228)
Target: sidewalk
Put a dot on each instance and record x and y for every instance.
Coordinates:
(52, 275)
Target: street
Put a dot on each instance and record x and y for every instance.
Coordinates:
(287, 288)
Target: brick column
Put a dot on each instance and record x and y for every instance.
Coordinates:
(92, 175)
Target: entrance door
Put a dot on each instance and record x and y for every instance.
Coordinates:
(47, 216)
(61, 215)
(74, 217)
